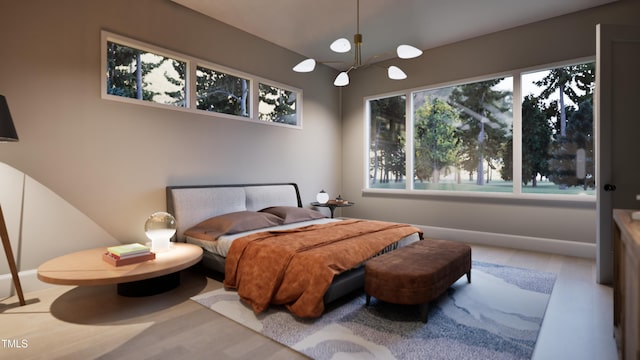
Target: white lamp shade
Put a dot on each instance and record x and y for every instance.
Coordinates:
(342, 79)
(305, 66)
(408, 52)
(341, 45)
(395, 73)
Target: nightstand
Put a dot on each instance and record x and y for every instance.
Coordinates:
(332, 205)
(140, 279)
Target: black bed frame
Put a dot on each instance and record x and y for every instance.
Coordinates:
(342, 284)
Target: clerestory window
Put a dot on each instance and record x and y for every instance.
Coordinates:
(140, 73)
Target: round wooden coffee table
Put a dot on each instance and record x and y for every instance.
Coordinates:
(142, 279)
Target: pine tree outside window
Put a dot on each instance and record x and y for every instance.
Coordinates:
(138, 73)
(463, 136)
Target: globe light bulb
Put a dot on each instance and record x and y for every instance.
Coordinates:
(322, 197)
(160, 228)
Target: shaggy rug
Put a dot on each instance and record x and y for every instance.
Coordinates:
(497, 316)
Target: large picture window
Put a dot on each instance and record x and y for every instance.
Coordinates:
(460, 136)
(140, 73)
(387, 139)
(557, 130)
(463, 136)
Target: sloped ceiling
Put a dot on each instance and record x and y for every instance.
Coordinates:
(309, 26)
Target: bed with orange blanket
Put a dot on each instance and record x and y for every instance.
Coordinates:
(274, 251)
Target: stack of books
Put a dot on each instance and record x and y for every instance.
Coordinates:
(128, 254)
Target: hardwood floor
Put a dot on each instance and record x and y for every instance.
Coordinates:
(94, 323)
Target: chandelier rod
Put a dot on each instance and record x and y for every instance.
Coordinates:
(357, 16)
(357, 40)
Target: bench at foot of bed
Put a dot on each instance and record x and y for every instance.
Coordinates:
(418, 273)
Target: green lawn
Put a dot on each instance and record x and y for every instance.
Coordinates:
(498, 186)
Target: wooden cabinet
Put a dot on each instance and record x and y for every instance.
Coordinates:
(626, 285)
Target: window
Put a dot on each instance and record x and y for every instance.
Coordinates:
(220, 92)
(387, 139)
(277, 105)
(143, 75)
(460, 133)
(140, 73)
(462, 136)
(557, 130)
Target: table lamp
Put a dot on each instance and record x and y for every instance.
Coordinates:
(322, 197)
(159, 228)
(8, 134)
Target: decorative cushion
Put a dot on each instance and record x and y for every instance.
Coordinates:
(232, 223)
(291, 214)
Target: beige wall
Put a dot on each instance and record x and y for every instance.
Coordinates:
(559, 39)
(111, 160)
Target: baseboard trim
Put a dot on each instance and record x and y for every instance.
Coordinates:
(552, 246)
(29, 278)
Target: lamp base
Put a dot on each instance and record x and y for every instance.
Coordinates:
(160, 245)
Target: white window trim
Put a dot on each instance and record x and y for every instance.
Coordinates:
(190, 82)
(516, 193)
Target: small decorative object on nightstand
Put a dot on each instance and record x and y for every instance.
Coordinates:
(333, 204)
(322, 197)
(159, 228)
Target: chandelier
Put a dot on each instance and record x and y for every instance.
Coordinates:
(343, 45)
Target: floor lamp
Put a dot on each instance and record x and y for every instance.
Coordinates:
(8, 133)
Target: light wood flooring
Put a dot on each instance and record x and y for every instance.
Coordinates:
(94, 323)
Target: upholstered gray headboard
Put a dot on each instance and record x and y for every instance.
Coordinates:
(192, 204)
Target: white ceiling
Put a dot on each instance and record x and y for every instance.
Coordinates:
(308, 27)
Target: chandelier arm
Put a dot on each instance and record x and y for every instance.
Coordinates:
(352, 67)
(393, 72)
(331, 62)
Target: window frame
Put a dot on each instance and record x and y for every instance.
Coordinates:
(192, 63)
(279, 86)
(107, 37)
(516, 193)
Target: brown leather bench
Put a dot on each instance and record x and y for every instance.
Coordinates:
(418, 273)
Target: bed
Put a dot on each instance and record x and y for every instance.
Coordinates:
(206, 213)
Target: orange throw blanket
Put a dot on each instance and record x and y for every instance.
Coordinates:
(296, 267)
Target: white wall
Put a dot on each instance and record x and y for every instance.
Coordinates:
(39, 224)
(544, 225)
(110, 160)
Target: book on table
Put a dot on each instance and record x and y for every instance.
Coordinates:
(108, 257)
(128, 254)
(129, 249)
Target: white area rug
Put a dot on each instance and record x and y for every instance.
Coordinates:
(497, 316)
